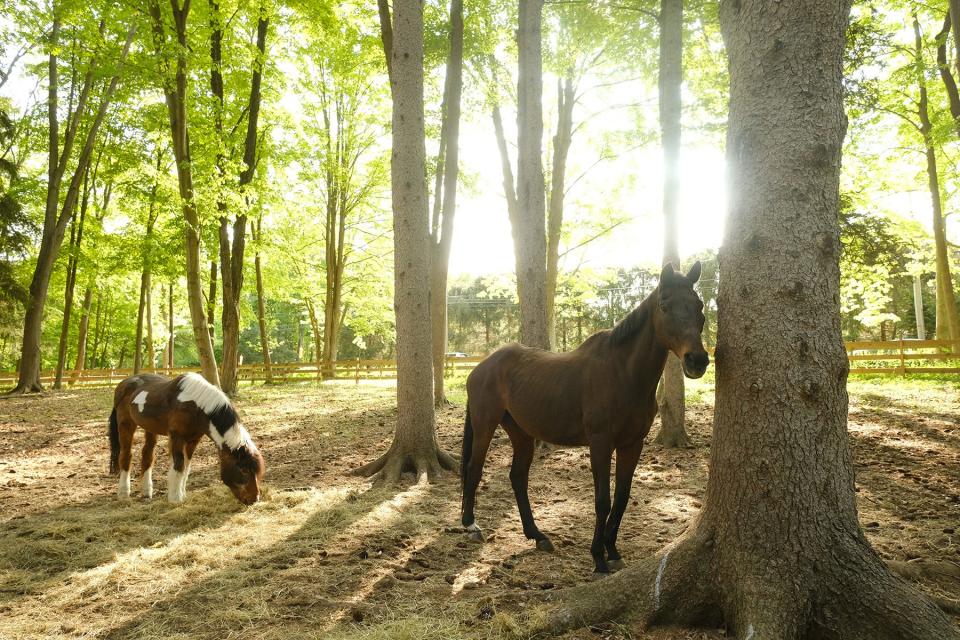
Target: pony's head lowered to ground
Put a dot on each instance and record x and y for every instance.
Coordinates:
(241, 465)
(678, 319)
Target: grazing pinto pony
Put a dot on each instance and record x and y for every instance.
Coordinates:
(186, 408)
(601, 395)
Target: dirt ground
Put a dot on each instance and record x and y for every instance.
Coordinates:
(324, 555)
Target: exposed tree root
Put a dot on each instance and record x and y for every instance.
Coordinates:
(670, 587)
(935, 570)
(427, 466)
(854, 599)
(672, 439)
(24, 389)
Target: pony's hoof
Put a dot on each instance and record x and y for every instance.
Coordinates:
(616, 565)
(598, 575)
(544, 544)
(475, 535)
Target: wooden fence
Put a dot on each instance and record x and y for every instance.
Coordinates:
(892, 357)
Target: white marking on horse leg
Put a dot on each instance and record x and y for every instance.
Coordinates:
(140, 400)
(750, 632)
(656, 584)
(148, 483)
(174, 486)
(473, 526)
(124, 489)
(183, 480)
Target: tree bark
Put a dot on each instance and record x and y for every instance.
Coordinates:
(530, 237)
(76, 237)
(670, 395)
(561, 149)
(170, 336)
(414, 445)
(261, 312)
(777, 551)
(57, 216)
(953, 95)
(175, 92)
(138, 338)
(948, 323)
(148, 321)
(81, 362)
(448, 169)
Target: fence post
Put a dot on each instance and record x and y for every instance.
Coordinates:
(903, 360)
(356, 379)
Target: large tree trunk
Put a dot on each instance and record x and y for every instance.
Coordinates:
(530, 238)
(948, 324)
(777, 552)
(949, 83)
(175, 93)
(670, 395)
(561, 148)
(414, 444)
(57, 216)
(446, 193)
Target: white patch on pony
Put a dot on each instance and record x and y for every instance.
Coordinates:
(473, 526)
(148, 483)
(235, 437)
(140, 400)
(750, 632)
(656, 584)
(174, 486)
(124, 489)
(194, 388)
(183, 480)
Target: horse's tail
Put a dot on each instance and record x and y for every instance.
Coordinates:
(465, 452)
(114, 433)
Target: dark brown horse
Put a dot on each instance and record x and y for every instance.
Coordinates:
(186, 408)
(601, 395)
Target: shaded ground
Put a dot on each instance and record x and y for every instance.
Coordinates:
(326, 556)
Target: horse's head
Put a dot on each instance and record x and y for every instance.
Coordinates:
(241, 469)
(678, 319)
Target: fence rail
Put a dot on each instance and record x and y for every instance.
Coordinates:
(890, 358)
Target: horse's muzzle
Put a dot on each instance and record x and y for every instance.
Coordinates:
(695, 364)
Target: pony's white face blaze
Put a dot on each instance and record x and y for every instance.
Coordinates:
(140, 400)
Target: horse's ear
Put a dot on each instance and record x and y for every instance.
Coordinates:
(667, 272)
(694, 274)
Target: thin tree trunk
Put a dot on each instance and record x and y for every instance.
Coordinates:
(81, 363)
(261, 310)
(57, 216)
(212, 299)
(953, 95)
(170, 336)
(148, 321)
(530, 237)
(76, 235)
(670, 395)
(97, 329)
(138, 340)
(446, 193)
(175, 93)
(948, 323)
(415, 441)
(561, 149)
(777, 552)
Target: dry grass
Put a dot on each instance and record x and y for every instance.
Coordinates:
(326, 556)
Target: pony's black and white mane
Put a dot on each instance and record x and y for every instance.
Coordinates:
(225, 427)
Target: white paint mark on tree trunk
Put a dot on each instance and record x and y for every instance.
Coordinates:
(656, 584)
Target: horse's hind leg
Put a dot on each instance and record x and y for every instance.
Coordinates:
(523, 449)
(146, 463)
(126, 429)
(480, 429)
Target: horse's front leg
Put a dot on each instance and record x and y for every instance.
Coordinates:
(146, 463)
(177, 466)
(600, 452)
(126, 430)
(627, 458)
(188, 451)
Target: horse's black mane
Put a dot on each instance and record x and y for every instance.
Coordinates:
(632, 322)
(223, 417)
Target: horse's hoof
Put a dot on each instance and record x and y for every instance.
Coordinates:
(544, 544)
(475, 536)
(597, 575)
(616, 565)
